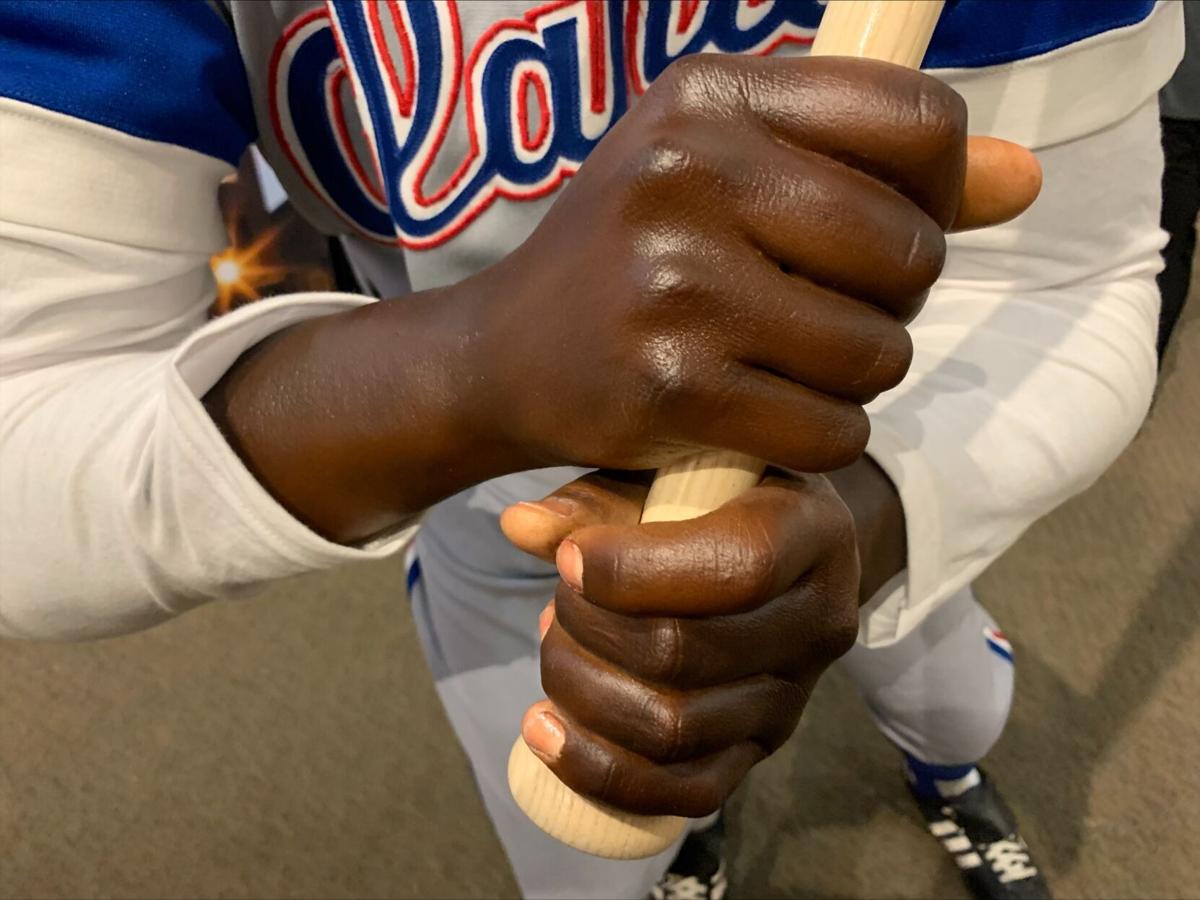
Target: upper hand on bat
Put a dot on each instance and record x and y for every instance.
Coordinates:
(734, 265)
(676, 655)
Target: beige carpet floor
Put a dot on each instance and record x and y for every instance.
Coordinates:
(293, 746)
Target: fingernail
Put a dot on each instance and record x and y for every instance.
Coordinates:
(560, 506)
(544, 619)
(545, 735)
(570, 564)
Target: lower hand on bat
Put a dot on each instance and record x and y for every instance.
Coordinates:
(676, 655)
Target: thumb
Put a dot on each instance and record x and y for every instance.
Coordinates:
(605, 497)
(1003, 180)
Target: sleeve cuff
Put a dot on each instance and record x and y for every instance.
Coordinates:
(890, 614)
(195, 367)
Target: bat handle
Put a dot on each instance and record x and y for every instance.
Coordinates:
(896, 31)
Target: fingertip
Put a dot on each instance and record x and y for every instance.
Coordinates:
(1003, 180)
(543, 731)
(545, 620)
(1024, 172)
(536, 527)
(569, 560)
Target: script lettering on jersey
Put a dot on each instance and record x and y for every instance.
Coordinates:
(519, 110)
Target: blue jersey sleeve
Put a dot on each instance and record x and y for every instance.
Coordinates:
(977, 33)
(166, 70)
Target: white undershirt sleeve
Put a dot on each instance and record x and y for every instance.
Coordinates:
(1034, 367)
(122, 504)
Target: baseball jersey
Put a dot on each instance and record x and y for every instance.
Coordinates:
(433, 136)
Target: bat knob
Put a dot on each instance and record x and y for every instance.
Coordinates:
(582, 823)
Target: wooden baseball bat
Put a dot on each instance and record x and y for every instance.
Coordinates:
(896, 31)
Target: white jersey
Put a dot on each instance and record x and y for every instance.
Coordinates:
(435, 136)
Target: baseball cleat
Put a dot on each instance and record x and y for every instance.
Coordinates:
(698, 871)
(979, 832)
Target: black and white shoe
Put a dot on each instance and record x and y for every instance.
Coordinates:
(698, 871)
(980, 832)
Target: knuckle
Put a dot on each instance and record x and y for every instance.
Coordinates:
(666, 279)
(940, 134)
(839, 620)
(779, 721)
(893, 354)
(659, 369)
(841, 631)
(685, 78)
(592, 772)
(759, 566)
(664, 662)
(666, 374)
(663, 740)
(927, 255)
(565, 601)
(707, 795)
(673, 177)
(918, 266)
(856, 432)
(841, 523)
(896, 359)
(556, 667)
(664, 158)
(665, 359)
(942, 112)
(850, 428)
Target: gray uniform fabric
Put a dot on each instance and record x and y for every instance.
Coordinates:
(942, 692)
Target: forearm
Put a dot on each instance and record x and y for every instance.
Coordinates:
(359, 420)
(878, 523)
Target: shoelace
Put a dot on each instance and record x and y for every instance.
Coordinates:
(677, 888)
(689, 887)
(1010, 860)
